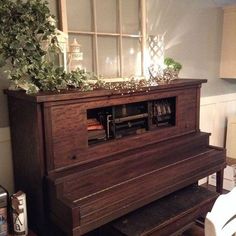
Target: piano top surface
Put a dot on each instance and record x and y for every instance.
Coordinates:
(76, 94)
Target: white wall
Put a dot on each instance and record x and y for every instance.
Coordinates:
(193, 34)
(6, 172)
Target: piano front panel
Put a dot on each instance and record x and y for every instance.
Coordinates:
(68, 127)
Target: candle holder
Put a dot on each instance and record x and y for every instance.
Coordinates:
(75, 55)
(156, 50)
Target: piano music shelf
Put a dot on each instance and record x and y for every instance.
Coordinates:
(116, 122)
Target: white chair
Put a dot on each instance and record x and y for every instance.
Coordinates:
(221, 221)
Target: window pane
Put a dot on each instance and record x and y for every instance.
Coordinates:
(130, 16)
(53, 8)
(131, 57)
(86, 48)
(79, 15)
(108, 56)
(106, 16)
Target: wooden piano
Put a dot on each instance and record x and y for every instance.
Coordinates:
(87, 158)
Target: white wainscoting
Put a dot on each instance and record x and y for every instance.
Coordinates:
(214, 112)
(6, 171)
(213, 119)
(213, 116)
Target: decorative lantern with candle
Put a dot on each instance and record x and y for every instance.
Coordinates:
(75, 55)
(62, 41)
(156, 50)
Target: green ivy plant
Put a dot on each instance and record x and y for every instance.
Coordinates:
(24, 27)
(172, 64)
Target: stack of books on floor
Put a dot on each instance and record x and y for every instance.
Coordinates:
(96, 131)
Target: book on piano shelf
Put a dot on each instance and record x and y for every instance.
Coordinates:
(94, 124)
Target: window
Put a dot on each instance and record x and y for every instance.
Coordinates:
(111, 34)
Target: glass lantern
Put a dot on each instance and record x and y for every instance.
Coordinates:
(156, 50)
(60, 57)
(75, 55)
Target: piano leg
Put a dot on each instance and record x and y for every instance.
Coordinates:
(219, 181)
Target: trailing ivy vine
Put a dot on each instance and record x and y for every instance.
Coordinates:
(24, 26)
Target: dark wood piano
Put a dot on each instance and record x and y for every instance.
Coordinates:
(87, 158)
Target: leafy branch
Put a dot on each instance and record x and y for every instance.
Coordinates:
(24, 28)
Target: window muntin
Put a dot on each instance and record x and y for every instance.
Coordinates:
(111, 34)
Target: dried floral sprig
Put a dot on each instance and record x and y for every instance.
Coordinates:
(126, 87)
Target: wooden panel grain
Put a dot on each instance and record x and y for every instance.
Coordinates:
(134, 164)
(72, 95)
(161, 217)
(102, 207)
(69, 132)
(28, 160)
(131, 195)
(186, 110)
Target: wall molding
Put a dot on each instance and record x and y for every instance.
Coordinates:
(5, 134)
(217, 99)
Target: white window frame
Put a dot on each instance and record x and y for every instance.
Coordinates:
(142, 37)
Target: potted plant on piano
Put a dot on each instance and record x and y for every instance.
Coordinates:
(28, 39)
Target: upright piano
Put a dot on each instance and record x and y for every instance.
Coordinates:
(85, 159)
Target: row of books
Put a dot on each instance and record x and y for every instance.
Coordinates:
(96, 130)
(161, 108)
